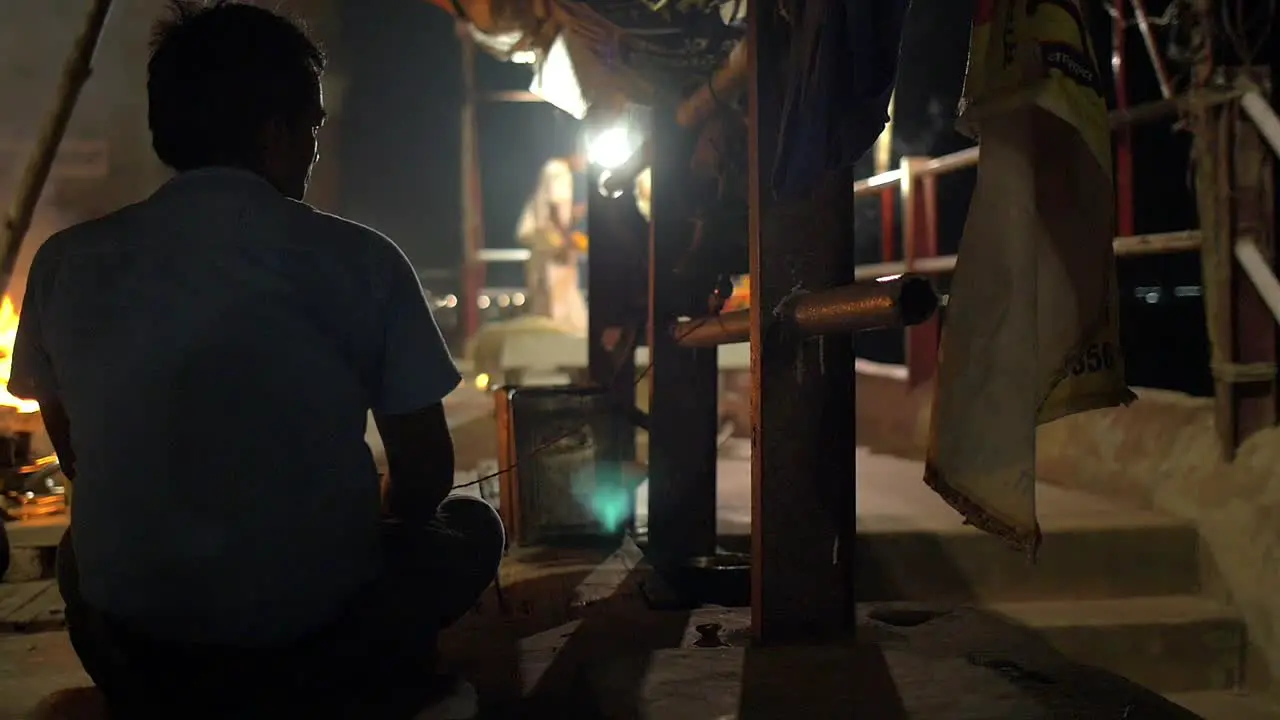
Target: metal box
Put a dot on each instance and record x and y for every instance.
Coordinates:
(561, 478)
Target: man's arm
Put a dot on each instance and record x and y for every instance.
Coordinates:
(31, 374)
(416, 374)
(58, 426)
(420, 462)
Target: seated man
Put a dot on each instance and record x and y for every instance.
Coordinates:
(205, 361)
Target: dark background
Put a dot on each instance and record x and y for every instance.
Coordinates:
(401, 167)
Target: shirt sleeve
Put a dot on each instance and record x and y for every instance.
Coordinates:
(31, 372)
(417, 370)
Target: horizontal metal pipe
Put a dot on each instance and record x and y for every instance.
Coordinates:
(890, 302)
(1136, 115)
(500, 255)
(1131, 246)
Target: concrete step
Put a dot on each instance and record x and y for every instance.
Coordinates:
(1228, 705)
(1103, 558)
(33, 545)
(1170, 644)
(912, 546)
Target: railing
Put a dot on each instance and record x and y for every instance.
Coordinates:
(916, 183)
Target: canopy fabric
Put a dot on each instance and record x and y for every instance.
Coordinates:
(640, 51)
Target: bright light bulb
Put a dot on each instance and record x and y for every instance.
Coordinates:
(611, 148)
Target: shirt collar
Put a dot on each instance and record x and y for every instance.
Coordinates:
(228, 178)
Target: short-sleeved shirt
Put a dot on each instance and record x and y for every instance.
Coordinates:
(217, 348)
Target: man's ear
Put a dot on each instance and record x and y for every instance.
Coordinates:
(273, 135)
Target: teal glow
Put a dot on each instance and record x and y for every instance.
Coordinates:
(609, 493)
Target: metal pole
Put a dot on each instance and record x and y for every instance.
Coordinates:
(75, 72)
(472, 200)
(1148, 39)
(682, 382)
(1124, 139)
(893, 302)
(802, 449)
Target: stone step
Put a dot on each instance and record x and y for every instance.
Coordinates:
(1228, 705)
(1170, 644)
(31, 607)
(33, 546)
(1103, 558)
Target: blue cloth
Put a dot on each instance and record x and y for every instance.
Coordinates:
(217, 348)
(838, 96)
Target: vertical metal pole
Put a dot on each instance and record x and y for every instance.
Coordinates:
(920, 240)
(682, 399)
(1153, 52)
(472, 199)
(1124, 135)
(802, 454)
(888, 203)
(613, 322)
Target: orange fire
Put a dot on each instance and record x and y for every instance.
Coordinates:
(8, 332)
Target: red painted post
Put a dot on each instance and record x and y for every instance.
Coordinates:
(1124, 135)
(920, 240)
(888, 207)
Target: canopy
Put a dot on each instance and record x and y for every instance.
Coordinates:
(608, 51)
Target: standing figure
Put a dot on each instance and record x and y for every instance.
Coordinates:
(550, 226)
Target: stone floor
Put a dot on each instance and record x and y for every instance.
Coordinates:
(574, 635)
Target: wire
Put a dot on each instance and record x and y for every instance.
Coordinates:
(1235, 26)
(702, 322)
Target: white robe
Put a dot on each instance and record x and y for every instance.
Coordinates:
(554, 288)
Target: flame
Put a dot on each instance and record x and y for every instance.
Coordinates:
(8, 332)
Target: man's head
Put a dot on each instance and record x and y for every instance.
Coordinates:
(231, 84)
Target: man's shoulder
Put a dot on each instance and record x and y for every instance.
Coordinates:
(347, 235)
(87, 235)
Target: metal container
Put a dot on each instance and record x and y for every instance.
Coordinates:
(562, 480)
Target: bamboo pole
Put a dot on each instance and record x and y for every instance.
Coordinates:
(75, 73)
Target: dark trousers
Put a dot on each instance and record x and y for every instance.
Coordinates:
(375, 661)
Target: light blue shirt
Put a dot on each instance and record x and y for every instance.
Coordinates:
(217, 348)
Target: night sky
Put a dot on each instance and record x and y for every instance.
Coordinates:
(401, 142)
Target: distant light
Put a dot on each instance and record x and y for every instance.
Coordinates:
(483, 301)
(451, 301)
(482, 381)
(517, 299)
(503, 300)
(1188, 291)
(524, 57)
(1152, 298)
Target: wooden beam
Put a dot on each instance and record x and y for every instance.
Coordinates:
(75, 73)
(802, 454)
(682, 400)
(1253, 376)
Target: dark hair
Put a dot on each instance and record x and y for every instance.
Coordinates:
(218, 72)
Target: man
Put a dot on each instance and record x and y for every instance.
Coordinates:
(551, 227)
(205, 361)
